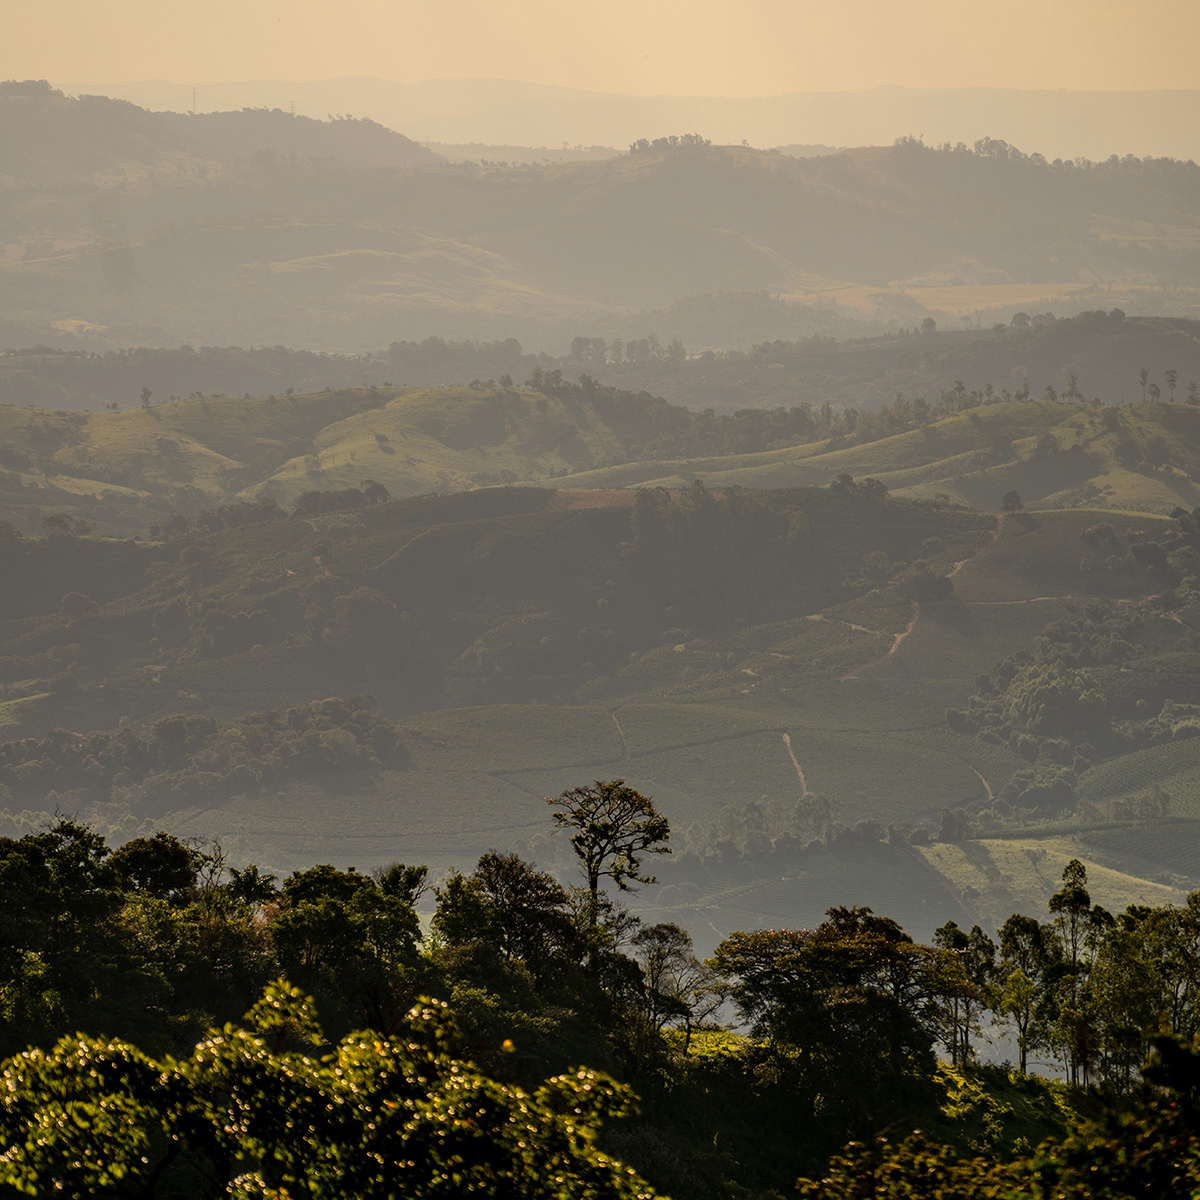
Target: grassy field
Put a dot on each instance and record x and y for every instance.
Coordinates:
(995, 878)
(1004, 597)
(1152, 849)
(115, 468)
(975, 458)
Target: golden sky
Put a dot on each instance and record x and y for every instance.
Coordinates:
(697, 47)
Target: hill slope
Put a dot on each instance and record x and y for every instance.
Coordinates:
(774, 671)
(124, 470)
(337, 255)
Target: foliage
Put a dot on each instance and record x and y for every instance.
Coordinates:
(1148, 1146)
(851, 1007)
(253, 1111)
(614, 825)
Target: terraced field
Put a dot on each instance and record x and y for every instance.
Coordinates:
(1155, 849)
(1173, 768)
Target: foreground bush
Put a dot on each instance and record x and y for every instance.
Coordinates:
(256, 1111)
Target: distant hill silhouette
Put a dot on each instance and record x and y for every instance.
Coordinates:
(1054, 121)
(350, 141)
(260, 228)
(48, 139)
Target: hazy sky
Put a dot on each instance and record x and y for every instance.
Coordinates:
(682, 47)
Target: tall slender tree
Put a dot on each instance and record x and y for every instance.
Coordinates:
(613, 826)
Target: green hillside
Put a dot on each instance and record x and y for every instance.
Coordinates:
(773, 667)
(121, 471)
(1142, 457)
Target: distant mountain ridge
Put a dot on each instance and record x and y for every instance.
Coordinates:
(343, 236)
(1057, 123)
(49, 138)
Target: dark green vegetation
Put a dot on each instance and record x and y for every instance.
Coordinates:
(589, 633)
(253, 1113)
(285, 236)
(128, 957)
(836, 695)
(1096, 354)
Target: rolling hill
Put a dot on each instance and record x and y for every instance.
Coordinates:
(773, 666)
(342, 235)
(122, 470)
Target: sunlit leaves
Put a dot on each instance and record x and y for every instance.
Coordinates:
(378, 1117)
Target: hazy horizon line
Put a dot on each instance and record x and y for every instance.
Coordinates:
(555, 87)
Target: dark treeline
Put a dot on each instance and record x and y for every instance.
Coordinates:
(184, 760)
(138, 950)
(1103, 352)
(80, 379)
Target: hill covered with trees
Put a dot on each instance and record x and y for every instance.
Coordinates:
(343, 236)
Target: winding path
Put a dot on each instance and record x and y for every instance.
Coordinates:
(897, 639)
(787, 741)
(621, 735)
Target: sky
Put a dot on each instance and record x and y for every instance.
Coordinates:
(664, 47)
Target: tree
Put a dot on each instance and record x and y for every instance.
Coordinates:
(161, 866)
(1072, 907)
(1028, 950)
(77, 608)
(252, 1112)
(613, 826)
(676, 986)
(955, 826)
(409, 883)
(340, 934)
(1172, 378)
(525, 909)
(375, 492)
(1074, 916)
(1143, 376)
(851, 1009)
(1154, 392)
(928, 326)
(1012, 503)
